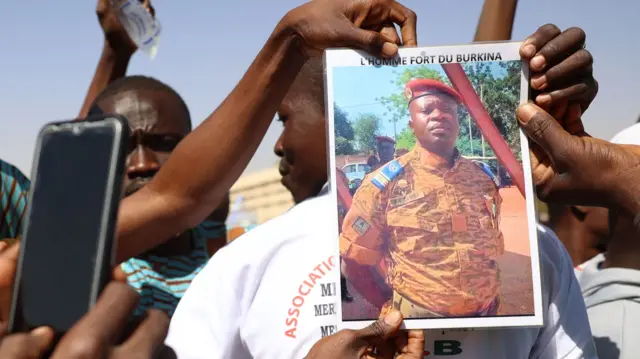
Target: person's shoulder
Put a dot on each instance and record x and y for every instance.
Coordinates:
(563, 304)
(628, 136)
(12, 173)
(550, 247)
(478, 170)
(556, 266)
(298, 223)
(389, 172)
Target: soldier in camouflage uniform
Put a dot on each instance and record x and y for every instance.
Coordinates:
(432, 215)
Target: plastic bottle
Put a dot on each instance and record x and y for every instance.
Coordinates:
(143, 29)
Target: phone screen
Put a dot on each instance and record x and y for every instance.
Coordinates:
(66, 219)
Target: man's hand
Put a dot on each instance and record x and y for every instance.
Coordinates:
(572, 168)
(22, 345)
(560, 67)
(381, 339)
(26, 345)
(9, 255)
(358, 24)
(95, 335)
(116, 37)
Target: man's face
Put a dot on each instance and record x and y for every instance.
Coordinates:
(158, 123)
(386, 150)
(302, 147)
(434, 121)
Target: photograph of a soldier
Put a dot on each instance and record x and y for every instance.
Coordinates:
(435, 228)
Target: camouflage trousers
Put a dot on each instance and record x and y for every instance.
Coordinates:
(410, 309)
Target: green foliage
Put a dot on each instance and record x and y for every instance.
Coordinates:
(500, 97)
(343, 127)
(344, 146)
(366, 128)
(405, 139)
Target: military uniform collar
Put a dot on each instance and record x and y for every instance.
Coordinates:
(430, 159)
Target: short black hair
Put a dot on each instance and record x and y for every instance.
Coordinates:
(140, 82)
(638, 120)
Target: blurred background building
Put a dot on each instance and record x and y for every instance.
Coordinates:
(256, 198)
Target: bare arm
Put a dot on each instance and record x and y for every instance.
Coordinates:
(496, 20)
(207, 162)
(116, 52)
(111, 66)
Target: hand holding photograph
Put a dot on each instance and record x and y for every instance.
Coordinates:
(435, 212)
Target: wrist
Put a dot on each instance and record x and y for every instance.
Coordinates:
(629, 199)
(111, 55)
(287, 31)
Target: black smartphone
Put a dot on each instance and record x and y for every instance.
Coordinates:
(67, 249)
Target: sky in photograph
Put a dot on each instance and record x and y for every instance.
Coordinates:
(357, 89)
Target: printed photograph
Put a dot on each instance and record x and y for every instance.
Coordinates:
(431, 192)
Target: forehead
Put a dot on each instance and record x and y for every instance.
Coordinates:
(435, 100)
(149, 111)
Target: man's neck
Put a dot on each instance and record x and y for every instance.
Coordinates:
(436, 157)
(623, 251)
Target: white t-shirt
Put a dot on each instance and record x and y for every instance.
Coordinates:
(272, 294)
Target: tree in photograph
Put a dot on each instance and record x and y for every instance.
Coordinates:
(500, 96)
(343, 132)
(406, 139)
(366, 128)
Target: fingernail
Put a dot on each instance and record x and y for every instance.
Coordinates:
(539, 83)
(537, 62)
(543, 99)
(525, 112)
(393, 318)
(529, 50)
(41, 332)
(389, 49)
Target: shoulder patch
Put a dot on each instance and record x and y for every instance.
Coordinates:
(488, 172)
(386, 174)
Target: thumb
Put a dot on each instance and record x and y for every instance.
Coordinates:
(373, 42)
(382, 329)
(543, 129)
(42, 338)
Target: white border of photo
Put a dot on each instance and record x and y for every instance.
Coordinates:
(509, 51)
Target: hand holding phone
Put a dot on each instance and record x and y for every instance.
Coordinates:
(67, 245)
(97, 334)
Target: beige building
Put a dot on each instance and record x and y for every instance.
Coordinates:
(262, 197)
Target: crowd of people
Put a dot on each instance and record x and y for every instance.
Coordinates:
(271, 293)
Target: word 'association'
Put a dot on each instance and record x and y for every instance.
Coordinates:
(431, 59)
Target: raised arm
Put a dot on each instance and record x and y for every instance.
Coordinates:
(208, 161)
(496, 20)
(116, 52)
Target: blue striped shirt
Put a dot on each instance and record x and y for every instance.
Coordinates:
(162, 281)
(14, 189)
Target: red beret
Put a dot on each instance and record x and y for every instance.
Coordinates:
(385, 139)
(421, 87)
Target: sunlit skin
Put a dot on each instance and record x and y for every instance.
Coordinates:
(434, 121)
(157, 123)
(301, 147)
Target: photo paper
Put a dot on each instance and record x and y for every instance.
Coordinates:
(435, 209)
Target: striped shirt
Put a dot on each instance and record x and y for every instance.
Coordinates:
(161, 281)
(14, 188)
